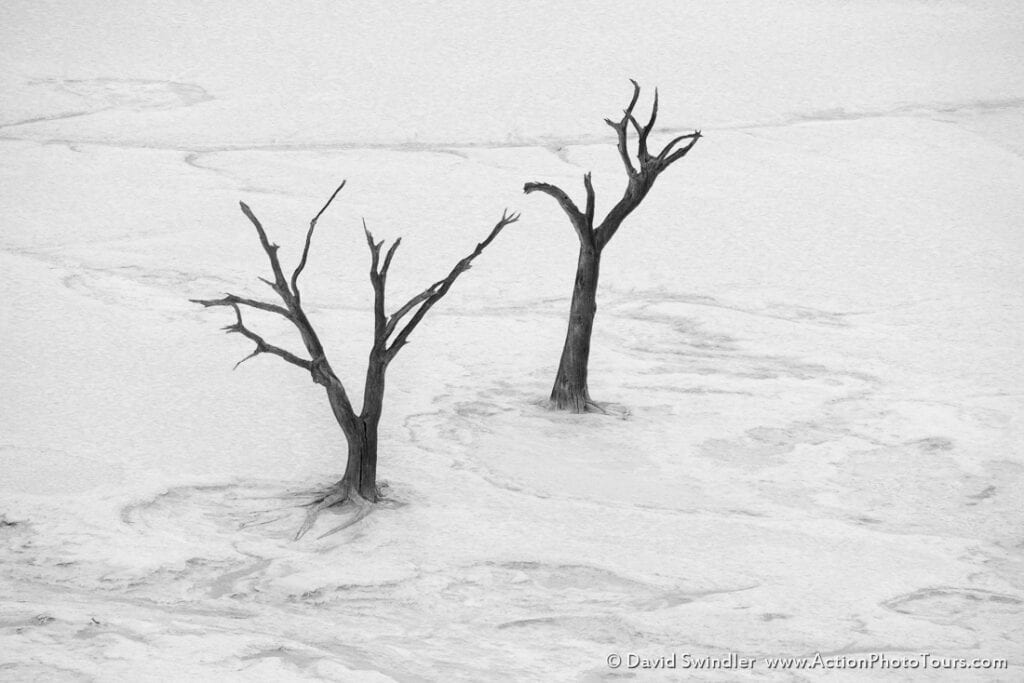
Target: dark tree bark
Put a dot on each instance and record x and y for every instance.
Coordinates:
(570, 391)
(391, 333)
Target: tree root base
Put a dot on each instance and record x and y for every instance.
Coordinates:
(589, 406)
(338, 496)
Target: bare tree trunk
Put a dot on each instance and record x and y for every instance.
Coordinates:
(361, 468)
(570, 391)
(365, 438)
(352, 430)
(368, 468)
(361, 430)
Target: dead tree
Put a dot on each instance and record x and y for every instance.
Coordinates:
(390, 334)
(570, 390)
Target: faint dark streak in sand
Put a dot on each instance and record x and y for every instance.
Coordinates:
(556, 145)
(53, 117)
(112, 94)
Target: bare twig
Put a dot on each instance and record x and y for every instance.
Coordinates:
(309, 239)
(589, 213)
(262, 346)
(622, 131)
(377, 281)
(397, 316)
(665, 158)
(432, 294)
(231, 300)
(387, 258)
(280, 285)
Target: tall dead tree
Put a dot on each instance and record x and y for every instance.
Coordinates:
(390, 334)
(570, 391)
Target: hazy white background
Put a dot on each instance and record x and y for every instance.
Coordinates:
(814, 323)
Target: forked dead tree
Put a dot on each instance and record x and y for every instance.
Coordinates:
(570, 391)
(391, 333)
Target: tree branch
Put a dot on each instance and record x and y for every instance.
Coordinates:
(642, 154)
(409, 305)
(262, 346)
(387, 258)
(576, 217)
(654, 115)
(559, 196)
(374, 249)
(435, 292)
(640, 181)
(232, 300)
(589, 214)
(318, 366)
(309, 239)
(667, 159)
(623, 146)
(280, 285)
(377, 280)
(622, 131)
